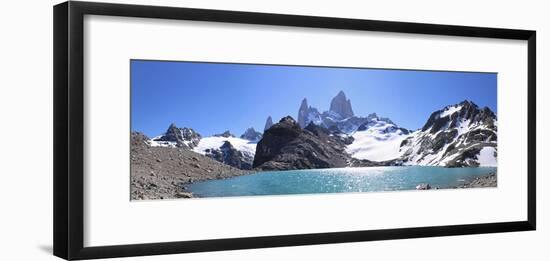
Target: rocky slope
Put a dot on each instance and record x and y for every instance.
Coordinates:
(162, 172)
(482, 182)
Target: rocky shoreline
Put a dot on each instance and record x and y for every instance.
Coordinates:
(486, 181)
(489, 180)
(161, 173)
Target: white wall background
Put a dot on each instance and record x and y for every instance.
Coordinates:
(26, 129)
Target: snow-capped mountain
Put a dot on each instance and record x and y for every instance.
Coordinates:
(372, 137)
(340, 116)
(175, 137)
(459, 135)
(223, 147)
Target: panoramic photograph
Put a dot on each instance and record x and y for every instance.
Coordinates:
(203, 129)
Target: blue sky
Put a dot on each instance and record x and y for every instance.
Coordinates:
(214, 97)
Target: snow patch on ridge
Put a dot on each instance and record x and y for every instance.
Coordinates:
(154, 142)
(243, 145)
(450, 111)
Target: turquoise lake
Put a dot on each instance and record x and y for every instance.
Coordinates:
(339, 180)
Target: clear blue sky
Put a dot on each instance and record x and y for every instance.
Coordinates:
(212, 98)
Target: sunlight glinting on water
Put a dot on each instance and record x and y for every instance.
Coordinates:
(368, 179)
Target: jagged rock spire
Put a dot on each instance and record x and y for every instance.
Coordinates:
(302, 113)
(268, 123)
(183, 137)
(251, 134)
(341, 105)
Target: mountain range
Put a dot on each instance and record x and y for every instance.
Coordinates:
(458, 135)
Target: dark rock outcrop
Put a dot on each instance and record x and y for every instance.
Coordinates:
(287, 146)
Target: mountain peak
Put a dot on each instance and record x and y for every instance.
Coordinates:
(372, 116)
(268, 123)
(225, 134)
(179, 137)
(251, 134)
(452, 115)
(467, 102)
(304, 104)
(174, 130)
(171, 127)
(457, 135)
(287, 119)
(341, 105)
(303, 113)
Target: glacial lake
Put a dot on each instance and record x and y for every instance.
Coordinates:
(338, 180)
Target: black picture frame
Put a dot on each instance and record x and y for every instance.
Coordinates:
(69, 119)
